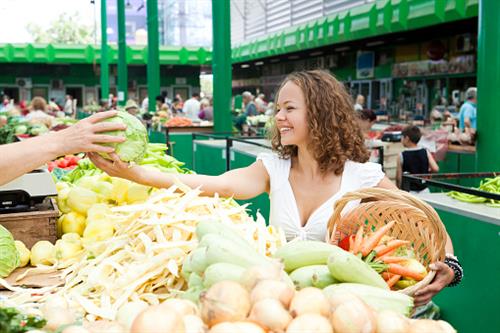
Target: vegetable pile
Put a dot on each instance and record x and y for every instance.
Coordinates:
(491, 185)
(393, 258)
(142, 260)
(179, 122)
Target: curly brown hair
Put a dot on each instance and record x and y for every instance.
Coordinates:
(334, 133)
(38, 103)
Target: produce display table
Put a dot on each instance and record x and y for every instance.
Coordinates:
(475, 231)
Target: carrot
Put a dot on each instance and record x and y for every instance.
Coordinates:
(386, 275)
(392, 281)
(391, 245)
(358, 240)
(351, 243)
(375, 237)
(403, 271)
(391, 260)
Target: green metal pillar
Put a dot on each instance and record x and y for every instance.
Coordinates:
(104, 53)
(221, 65)
(122, 55)
(153, 70)
(488, 81)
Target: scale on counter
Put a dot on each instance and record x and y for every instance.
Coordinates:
(392, 136)
(23, 193)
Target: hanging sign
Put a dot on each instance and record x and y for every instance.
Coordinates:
(365, 64)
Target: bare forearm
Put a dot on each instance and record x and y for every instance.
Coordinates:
(208, 184)
(19, 158)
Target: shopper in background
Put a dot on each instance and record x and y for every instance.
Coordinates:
(38, 112)
(360, 103)
(366, 119)
(191, 107)
(206, 110)
(261, 104)
(145, 104)
(68, 106)
(414, 160)
(160, 101)
(132, 108)
(21, 157)
(249, 104)
(166, 100)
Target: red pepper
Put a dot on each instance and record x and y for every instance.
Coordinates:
(344, 243)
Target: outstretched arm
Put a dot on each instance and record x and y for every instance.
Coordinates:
(19, 158)
(243, 183)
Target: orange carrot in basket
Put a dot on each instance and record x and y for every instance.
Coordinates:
(391, 245)
(392, 280)
(391, 259)
(351, 243)
(403, 271)
(358, 240)
(372, 241)
(386, 275)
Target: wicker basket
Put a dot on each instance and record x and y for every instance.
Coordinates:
(416, 222)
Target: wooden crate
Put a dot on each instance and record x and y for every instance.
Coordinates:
(31, 227)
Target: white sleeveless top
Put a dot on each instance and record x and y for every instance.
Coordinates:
(284, 212)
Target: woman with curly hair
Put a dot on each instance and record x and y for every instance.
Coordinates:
(319, 155)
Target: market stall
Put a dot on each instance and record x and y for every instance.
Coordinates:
(474, 229)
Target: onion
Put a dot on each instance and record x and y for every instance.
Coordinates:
(224, 301)
(104, 326)
(335, 298)
(310, 322)
(236, 327)
(391, 322)
(428, 325)
(75, 329)
(157, 319)
(129, 311)
(309, 300)
(270, 314)
(354, 316)
(272, 289)
(253, 275)
(57, 317)
(182, 306)
(193, 324)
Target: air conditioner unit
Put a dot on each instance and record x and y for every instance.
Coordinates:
(23, 82)
(56, 84)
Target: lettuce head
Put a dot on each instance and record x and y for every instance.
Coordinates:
(134, 148)
(9, 256)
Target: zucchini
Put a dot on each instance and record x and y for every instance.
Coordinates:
(346, 267)
(376, 298)
(220, 272)
(312, 276)
(221, 249)
(298, 254)
(207, 227)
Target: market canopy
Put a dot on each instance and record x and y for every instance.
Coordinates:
(88, 54)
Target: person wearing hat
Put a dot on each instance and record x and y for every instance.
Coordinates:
(132, 108)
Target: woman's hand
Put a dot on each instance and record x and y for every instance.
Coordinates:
(116, 167)
(85, 135)
(444, 276)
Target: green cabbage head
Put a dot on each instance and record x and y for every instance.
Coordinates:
(134, 149)
(9, 256)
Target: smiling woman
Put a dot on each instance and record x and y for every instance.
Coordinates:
(316, 99)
